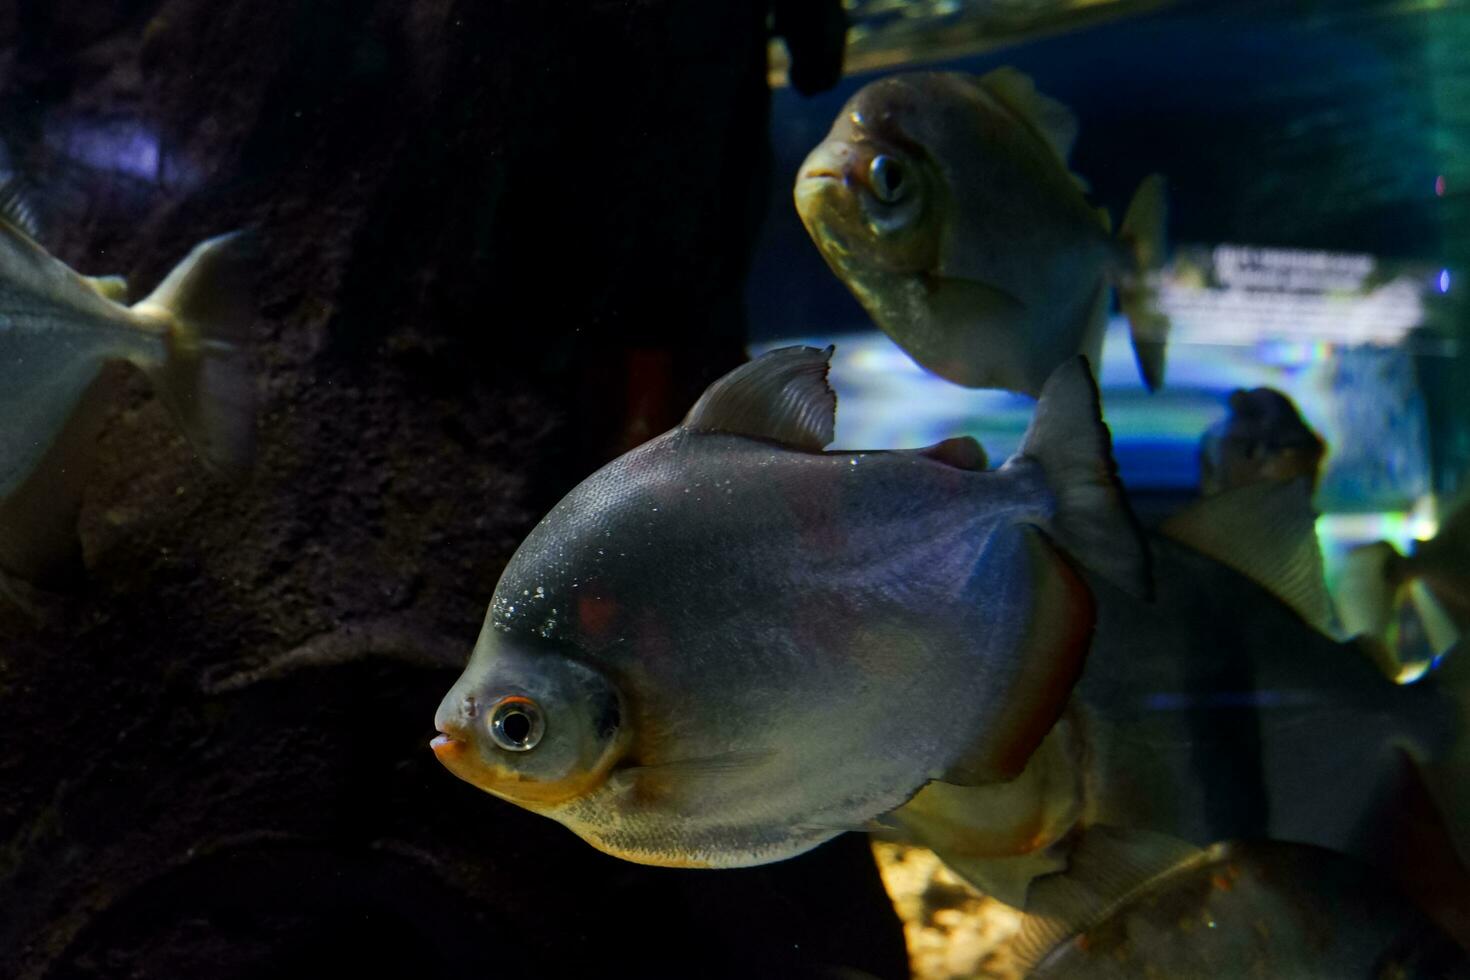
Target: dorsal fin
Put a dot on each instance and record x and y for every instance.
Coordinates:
(782, 395)
(15, 208)
(114, 288)
(1074, 448)
(961, 452)
(1048, 118)
(1266, 531)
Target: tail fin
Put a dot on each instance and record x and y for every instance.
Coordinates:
(1092, 522)
(207, 302)
(1143, 236)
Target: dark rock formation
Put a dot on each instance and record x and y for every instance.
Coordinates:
(501, 242)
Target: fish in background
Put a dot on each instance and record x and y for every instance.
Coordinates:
(1263, 438)
(943, 201)
(59, 329)
(728, 646)
(1223, 710)
(1417, 606)
(1241, 909)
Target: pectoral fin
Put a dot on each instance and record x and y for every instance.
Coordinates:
(977, 336)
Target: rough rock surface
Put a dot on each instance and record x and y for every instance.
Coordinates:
(501, 241)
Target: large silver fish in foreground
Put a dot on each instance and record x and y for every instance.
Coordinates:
(945, 204)
(729, 646)
(58, 329)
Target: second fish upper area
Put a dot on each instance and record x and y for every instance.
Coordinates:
(946, 205)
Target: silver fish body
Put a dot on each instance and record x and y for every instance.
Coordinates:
(797, 640)
(1217, 711)
(57, 331)
(721, 579)
(944, 202)
(1259, 909)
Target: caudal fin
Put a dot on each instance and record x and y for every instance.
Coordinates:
(207, 304)
(1142, 235)
(1092, 521)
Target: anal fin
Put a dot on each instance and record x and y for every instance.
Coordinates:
(1267, 532)
(1106, 867)
(1000, 836)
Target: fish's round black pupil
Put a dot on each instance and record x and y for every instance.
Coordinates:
(887, 177)
(516, 726)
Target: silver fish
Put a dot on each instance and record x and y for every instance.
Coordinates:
(58, 329)
(944, 202)
(728, 646)
(1263, 438)
(1247, 909)
(1222, 710)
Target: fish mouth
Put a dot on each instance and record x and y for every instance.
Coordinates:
(822, 173)
(447, 747)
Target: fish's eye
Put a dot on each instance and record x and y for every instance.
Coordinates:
(516, 724)
(886, 176)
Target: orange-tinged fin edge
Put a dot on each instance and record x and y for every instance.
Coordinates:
(1001, 836)
(1054, 649)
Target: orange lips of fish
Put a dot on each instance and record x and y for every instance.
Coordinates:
(455, 755)
(447, 748)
